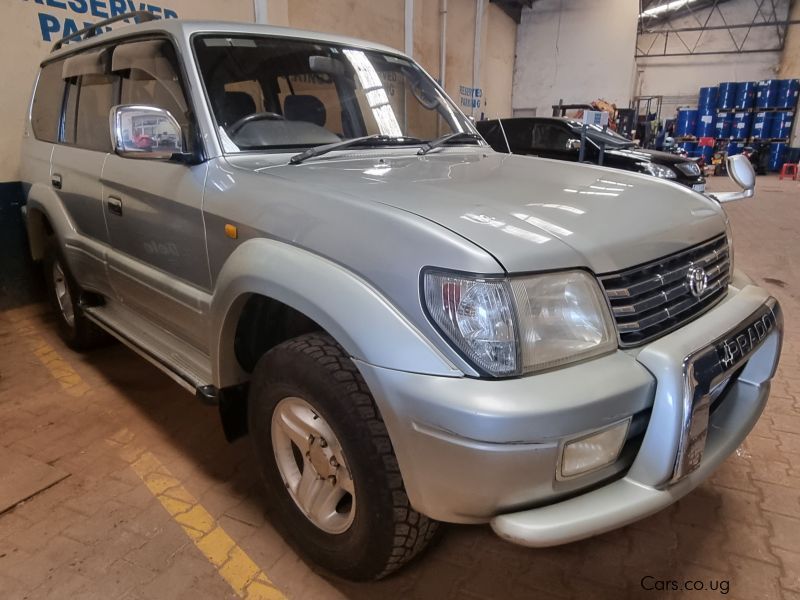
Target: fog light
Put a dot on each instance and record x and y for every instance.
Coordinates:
(593, 451)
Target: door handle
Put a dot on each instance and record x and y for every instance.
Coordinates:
(114, 205)
(56, 181)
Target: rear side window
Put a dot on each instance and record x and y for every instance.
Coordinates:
(92, 130)
(47, 100)
(550, 136)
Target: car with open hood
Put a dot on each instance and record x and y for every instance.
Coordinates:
(412, 328)
(562, 138)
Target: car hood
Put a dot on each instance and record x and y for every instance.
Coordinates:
(644, 154)
(529, 213)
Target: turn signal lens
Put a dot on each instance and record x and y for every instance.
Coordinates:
(478, 316)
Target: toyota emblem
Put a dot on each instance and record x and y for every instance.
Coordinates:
(697, 280)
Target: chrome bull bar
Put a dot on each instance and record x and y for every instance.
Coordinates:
(705, 370)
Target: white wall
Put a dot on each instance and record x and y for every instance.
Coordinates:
(578, 50)
(679, 78)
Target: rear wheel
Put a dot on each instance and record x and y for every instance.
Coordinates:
(74, 328)
(333, 483)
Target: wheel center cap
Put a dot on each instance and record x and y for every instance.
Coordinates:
(321, 457)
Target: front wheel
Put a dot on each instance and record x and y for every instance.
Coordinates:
(332, 477)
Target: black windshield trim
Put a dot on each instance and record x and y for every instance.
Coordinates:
(291, 147)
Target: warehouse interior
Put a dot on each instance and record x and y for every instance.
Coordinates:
(608, 155)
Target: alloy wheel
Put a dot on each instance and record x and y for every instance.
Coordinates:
(312, 465)
(61, 287)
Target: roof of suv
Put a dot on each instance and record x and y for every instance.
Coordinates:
(185, 29)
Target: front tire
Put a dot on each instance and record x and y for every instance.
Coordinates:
(333, 482)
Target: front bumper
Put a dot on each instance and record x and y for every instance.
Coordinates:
(636, 496)
(474, 451)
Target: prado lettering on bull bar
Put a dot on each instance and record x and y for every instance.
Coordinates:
(733, 349)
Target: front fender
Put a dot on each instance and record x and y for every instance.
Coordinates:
(358, 317)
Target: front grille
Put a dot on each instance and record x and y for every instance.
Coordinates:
(653, 299)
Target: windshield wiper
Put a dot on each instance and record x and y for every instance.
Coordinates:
(446, 139)
(369, 139)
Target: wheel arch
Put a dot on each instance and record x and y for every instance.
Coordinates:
(336, 300)
(43, 219)
(39, 230)
(43, 207)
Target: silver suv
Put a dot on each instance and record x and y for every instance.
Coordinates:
(305, 230)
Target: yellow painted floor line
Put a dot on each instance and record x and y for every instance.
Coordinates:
(231, 562)
(59, 369)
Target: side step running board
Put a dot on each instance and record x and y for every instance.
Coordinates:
(205, 393)
(232, 401)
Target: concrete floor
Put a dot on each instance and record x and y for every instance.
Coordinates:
(150, 473)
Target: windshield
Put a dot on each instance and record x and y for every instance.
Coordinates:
(599, 136)
(269, 93)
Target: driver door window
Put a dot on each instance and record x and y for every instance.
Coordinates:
(150, 77)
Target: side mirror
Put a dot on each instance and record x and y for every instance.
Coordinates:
(741, 172)
(145, 132)
(573, 144)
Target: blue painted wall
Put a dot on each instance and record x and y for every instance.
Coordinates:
(20, 278)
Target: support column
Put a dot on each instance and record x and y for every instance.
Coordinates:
(476, 52)
(409, 28)
(260, 12)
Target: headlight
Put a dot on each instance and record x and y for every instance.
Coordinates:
(657, 170)
(690, 168)
(520, 325)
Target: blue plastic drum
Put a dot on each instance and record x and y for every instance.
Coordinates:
(686, 122)
(781, 125)
(788, 90)
(777, 155)
(745, 95)
(723, 125)
(762, 126)
(734, 148)
(767, 93)
(707, 100)
(706, 152)
(689, 147)
(726, 96)
(742, 123)
(706, 121)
